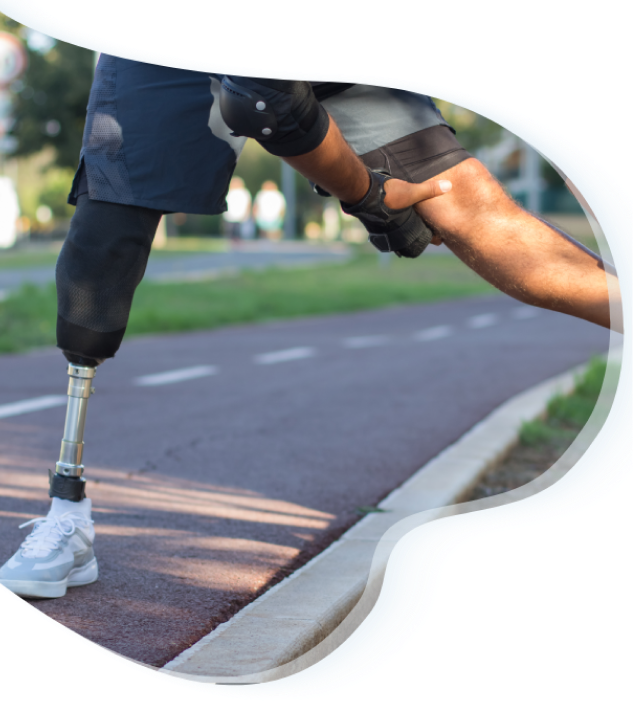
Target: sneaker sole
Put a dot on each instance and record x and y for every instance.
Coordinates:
(88, 573)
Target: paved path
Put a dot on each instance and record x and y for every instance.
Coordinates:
(219, 461)
(163, 267)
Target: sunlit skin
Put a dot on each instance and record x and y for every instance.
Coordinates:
(516, 252)
(513, 250)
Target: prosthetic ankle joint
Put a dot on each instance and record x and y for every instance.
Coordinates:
(67, 482)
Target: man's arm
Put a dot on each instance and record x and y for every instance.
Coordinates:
(288, 121)
(335, 167)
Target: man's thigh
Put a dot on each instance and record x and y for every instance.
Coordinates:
(154, 138)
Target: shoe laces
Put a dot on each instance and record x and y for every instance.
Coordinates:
(48, 533)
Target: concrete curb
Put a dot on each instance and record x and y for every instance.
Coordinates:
(292, 624)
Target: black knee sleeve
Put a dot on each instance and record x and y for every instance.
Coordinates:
(99, 267)
(284, 116)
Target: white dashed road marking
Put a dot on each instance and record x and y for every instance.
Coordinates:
(32, 405)
(433, 334)
(365, 341)
(282, 356)
(483, 321)
(176, 376)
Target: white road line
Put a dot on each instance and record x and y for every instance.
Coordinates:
(176, 376)
(525, 312)
(483, 321)
(433, 334)
(282, 356)
(32, 405)
(365, 341)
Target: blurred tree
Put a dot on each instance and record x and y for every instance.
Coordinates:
(473, 130)
(51, 97)
(309, 205)
(9, 25)
(54, 192)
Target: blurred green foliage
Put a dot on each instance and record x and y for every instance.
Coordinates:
(473, 130)
(51, 97)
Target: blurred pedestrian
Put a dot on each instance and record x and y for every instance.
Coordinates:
(247, 228)
(331, 220)
(9, 213)
(269, 210)
(238, 212)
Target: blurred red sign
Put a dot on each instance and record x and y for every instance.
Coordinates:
(13, 58)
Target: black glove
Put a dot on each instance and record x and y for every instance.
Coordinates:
(399, 231)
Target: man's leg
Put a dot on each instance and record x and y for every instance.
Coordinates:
(515, 251)
(154, 142)
(101, 264)
(404, 134)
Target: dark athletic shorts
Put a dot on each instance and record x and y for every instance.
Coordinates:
(154, 136)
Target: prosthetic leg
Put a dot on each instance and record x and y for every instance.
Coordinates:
(99, 267)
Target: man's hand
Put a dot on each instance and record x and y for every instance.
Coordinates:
(400, 194)
(399, 228)
(335, 168)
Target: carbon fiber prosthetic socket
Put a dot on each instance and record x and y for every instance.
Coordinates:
(100, 265)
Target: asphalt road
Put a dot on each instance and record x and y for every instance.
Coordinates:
(163, 267)
(250, 448)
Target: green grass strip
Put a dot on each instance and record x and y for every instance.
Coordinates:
(27, 317)
(567, 414)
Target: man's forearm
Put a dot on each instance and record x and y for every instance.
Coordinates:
(382, 205)
(334, 167)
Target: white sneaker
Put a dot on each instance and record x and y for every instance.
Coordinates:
(56, 555)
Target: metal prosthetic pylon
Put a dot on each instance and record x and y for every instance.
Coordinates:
(67, 482)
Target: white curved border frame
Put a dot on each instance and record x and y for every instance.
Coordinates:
(412, 593)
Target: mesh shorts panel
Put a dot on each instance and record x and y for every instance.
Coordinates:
(103, 139)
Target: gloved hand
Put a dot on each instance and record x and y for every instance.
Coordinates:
(394, 230)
